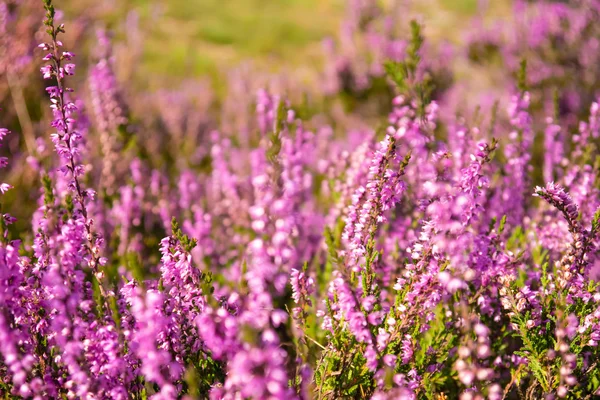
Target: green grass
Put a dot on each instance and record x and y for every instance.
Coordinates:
(461, 7)
(186, 38)
(200, 36)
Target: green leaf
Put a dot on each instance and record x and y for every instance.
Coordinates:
(502, 224)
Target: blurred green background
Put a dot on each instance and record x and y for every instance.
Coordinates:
(186, 38)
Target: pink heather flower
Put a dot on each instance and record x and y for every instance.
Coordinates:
(371, 356)
(557, 196)
(47, 71)
(390, 360)
(70, 69)
(5, 187)
(449, 290)
(53, 91)
(407, 349)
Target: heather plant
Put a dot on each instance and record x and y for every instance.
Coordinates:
(370, 36)
(254, 247)
(555, 37)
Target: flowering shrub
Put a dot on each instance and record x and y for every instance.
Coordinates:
(294, 254)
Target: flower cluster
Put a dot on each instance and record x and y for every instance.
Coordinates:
(379, 238)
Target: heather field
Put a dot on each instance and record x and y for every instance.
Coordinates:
(299, 199)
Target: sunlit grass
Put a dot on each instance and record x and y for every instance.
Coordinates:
(186, 38)
(200, 36)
